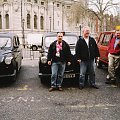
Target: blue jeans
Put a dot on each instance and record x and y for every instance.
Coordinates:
(87, 66)
(58, 69)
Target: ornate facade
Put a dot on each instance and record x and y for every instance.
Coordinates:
(36, 16)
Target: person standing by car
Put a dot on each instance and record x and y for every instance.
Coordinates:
(58, 54)
(113, 57)
(86, 52)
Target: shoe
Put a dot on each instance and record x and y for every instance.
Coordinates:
(107, 82)
(51, 89)
(112, 81)
(94, 86)
(60, 89)
(81, 87)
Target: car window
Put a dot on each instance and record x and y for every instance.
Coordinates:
(5, 42)
(15, 42)
(101, 38)
(71, 40)
(106, 39)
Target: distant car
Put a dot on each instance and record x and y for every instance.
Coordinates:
(102, 43)
(34, 41)
(10, 55)
(71, 71)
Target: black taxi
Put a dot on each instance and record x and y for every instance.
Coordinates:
(71, 71)
(10, 55)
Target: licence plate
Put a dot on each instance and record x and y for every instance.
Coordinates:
(69, 75)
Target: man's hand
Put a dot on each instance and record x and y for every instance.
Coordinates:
(69, 63)
(78, 61)
(49, 62)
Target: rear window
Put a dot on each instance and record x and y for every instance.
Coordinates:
(71, 40)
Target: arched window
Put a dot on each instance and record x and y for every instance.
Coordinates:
(0, 21)
(35, 1)
(28, 0)
(28, 21)
(35, 21)
(41, 23)
(7, 21)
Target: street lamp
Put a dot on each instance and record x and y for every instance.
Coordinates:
(80, 29)
(50, 23)
(23, 32)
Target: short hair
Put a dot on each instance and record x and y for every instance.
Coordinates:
(62, 33)
(85, 27)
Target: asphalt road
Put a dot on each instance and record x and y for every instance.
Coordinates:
(28, 99)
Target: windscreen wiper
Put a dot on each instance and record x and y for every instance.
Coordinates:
(4, 45)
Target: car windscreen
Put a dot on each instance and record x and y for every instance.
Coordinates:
(71, 40)
(5, 42)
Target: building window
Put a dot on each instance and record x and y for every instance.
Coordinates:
(42, 3)
(35, 21)
(7, 21)
(0, 22)
(28, 21)
(68, 7)
(35, 1)
(28, 0)
(58, 5)
(41, 23)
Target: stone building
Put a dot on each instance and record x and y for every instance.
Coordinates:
(37, 16)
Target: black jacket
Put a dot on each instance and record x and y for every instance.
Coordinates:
(65, 53)
(83, 52)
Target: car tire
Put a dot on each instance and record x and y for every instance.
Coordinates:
(34, 48)
(99, 64)
(45, 80)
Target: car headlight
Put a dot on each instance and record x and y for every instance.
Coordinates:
(44, 59)
(8, 60)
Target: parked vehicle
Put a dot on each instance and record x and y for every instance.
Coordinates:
(10, 55)
(72, 70)
(34, 41)
(103, 40)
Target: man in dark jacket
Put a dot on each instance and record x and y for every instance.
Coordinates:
(113, 57)
(86, 52)
(58, 55)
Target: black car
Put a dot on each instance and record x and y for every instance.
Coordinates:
(71, 71)
(10, 55)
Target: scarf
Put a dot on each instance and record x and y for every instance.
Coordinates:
(58, 47)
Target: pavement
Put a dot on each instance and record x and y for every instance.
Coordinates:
(28, 99)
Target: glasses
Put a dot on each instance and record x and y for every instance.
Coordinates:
(60, 36)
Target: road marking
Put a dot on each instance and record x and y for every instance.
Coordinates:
(91, 106)
(24, 88)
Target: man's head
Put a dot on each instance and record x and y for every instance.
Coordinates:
(117, 33)
(59, 37)
(86, 32)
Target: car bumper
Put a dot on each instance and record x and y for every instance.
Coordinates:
(8, 75)
(66, 75)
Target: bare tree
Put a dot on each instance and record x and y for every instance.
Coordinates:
(100, 8)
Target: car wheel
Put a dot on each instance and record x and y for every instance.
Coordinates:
(34, 48)
(98, 64)
(45, 80)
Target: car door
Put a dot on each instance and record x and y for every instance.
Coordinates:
(104, 47)
(17, 52)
